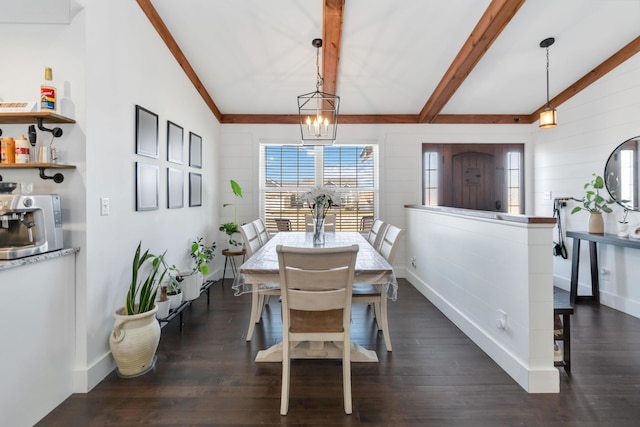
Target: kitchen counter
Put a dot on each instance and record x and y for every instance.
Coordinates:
(7, 264)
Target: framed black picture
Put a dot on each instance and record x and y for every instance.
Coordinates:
(146, 132)
(175, 188)
(175, 135)
(195, 189)
(147, 183)
(195, 150)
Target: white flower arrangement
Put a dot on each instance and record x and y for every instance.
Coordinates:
(320, 200)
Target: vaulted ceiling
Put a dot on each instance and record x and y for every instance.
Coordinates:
(395, 61)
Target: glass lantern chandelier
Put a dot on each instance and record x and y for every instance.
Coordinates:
(318, 111)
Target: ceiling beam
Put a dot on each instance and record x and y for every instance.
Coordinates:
(609, 64)
(332, 19)
(490, 25)
(379, 119)
(165, 35)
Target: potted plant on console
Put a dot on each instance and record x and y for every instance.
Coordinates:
(232, 228)
(192, 280)
(595, 204)
(136, 332)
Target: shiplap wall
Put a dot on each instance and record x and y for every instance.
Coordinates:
(590, 126)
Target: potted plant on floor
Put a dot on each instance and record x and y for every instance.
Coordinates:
(136, 333)
(232, 228)
(192, 281)
(174, 293)
(595, 204)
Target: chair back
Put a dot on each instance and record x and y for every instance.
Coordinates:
(390, 242)
(365, 223)
(283, 224)
(316, 280)
(261, 229)
(308, 223)
(251, 240)
(377, 233)
(330, 222)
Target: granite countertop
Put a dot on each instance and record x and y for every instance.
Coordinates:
(7, 264)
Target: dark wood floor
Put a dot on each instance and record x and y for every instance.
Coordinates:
(435, 375)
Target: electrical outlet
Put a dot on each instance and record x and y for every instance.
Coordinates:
(104, 206)
(501, 321)
(413, 262)
(547, 195)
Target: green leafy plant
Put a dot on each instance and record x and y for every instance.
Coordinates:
(146, 289)
(230, 228)
(593, 202)
(202, 255)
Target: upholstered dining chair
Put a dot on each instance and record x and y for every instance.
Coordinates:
(261, 229)
(316, 286)
(376, 233)
(252, 244)
(376, 294)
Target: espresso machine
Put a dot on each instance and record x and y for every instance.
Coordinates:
(30, 224)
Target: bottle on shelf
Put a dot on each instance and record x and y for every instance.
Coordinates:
(48, 92)
(22, 150)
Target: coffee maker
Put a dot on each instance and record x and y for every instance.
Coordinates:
(30, 224)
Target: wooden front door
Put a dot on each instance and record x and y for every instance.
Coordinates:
(472, 181)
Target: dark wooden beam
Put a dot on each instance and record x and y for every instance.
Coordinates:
(609, 64)
(490, 25)
(332, 18)
(165, 35)
(482, 119)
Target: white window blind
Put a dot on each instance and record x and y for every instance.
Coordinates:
(289, 171)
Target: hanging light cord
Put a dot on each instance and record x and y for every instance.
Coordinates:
(548, 104)
(320, 80)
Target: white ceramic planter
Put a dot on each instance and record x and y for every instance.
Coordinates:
(175, 300)
(190, 286)
(163, 309)
(134, 341)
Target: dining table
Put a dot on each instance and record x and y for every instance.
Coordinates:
(261, 272)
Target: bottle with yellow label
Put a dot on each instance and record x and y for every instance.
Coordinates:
(48, 92)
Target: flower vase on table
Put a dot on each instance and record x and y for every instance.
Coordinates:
(318, 231)
(320, 200)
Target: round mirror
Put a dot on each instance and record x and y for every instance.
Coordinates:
(621, 174)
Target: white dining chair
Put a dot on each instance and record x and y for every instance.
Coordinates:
(261, 229)
(259, 297)
(316, 288)
(376, 233)
(376, 294)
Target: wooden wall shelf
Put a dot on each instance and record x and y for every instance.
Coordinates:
(36, 166)
(33, 117)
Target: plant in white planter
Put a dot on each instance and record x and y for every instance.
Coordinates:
(192, 281)
(595, 204)
(231, 228)
(174, 293)
(136, 332)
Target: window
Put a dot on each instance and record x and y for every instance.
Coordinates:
(288, 171)
(430, 178)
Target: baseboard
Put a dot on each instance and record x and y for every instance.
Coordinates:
(86, 379)
(539, 380)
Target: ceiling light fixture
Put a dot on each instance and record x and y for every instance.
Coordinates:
(318, 110)
(548, 115)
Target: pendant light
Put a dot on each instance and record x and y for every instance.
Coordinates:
(318, 111)
(548, 114)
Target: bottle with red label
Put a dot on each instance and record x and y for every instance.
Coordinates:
(48, 92)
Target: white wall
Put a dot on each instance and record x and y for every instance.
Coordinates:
(108, 59)
(474, 269)
(590, 126)
(400, 160)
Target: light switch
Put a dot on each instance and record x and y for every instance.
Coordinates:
(104, 206)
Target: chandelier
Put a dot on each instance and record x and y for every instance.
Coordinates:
(548, 114)
(318, 111)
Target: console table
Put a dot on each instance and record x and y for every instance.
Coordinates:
(593, 239)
